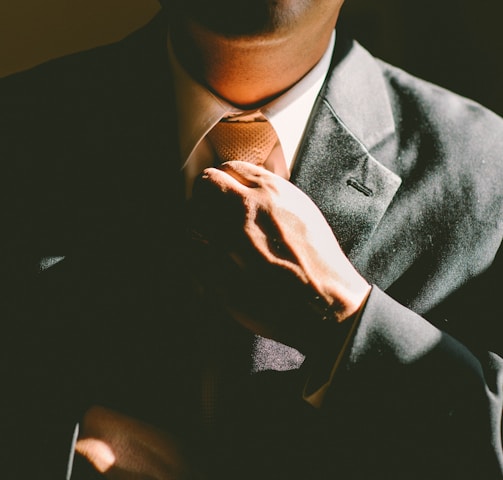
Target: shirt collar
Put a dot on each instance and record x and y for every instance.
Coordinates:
(199, 109)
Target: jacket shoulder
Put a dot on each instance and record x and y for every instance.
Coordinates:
(460, 124)
(91, 70)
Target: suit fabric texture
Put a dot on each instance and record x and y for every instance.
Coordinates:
(97, 306)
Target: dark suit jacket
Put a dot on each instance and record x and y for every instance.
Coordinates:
(97, 306)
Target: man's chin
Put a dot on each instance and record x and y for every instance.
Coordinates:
(242, 18)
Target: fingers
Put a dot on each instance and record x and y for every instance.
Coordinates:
(123, 448)
(220, 200)
(236, 176)
(246, 173)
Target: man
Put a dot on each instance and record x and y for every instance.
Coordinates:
(129, 289)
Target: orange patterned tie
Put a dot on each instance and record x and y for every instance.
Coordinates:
(249, 141)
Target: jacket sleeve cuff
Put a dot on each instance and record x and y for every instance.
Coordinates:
(334, 342)
(385, 333)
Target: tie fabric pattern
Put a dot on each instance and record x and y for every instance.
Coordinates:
(250, 139)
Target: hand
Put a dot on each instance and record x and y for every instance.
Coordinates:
(122, 448)
(266, 252)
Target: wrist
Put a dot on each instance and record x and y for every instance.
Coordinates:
(330, 315)
(341, 304)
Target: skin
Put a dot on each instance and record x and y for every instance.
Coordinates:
(242, 67)
(263, 234)
(122, 448)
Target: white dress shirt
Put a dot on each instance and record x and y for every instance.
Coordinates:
(199, 109)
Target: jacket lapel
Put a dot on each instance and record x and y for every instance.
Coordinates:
(335, 167)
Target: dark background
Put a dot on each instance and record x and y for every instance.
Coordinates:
(455, 43)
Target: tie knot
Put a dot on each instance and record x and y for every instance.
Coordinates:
(249, 141)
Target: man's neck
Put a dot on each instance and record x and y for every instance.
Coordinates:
(250, 71)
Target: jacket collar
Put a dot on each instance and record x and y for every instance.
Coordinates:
(356, 91)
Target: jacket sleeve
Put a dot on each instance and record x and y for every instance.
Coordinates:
(418, 392)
